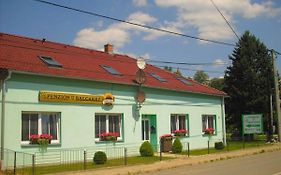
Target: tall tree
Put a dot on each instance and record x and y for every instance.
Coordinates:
(201, 77)
(249, 80)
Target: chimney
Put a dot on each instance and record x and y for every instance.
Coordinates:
(108, 48)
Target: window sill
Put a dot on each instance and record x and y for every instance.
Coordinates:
(37, 145)
(209, 135)
(103, 142)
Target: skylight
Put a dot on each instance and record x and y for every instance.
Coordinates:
(111, 70)
(185, 81)
(158, 77)
(50, 61)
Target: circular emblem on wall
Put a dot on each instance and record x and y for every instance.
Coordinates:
(108, 99)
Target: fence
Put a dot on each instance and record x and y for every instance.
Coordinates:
(58, 160)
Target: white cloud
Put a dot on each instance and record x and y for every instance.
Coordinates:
(140, 3)
(202, 15)
(90, 38)
(219, 63)
(117, 34)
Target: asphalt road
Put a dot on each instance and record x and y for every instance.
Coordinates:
(259, 164)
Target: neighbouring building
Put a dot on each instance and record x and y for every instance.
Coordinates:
(77, 94)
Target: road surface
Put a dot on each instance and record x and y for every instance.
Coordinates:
(260, 164)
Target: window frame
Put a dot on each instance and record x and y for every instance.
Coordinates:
(40, 115)
(121, 127)
(178, 123)
(214, 122)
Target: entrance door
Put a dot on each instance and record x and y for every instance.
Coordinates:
(149, 129)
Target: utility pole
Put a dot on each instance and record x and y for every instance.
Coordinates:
(277, 97)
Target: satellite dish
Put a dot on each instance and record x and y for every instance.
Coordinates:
(141, 63)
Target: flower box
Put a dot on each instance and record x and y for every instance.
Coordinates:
(166, 142)
(43, 139)
(180, 133)
(209, 131)
(109, 136)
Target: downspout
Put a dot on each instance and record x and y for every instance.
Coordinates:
(223, 121)
(5, 74)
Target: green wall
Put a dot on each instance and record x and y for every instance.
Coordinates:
(77, 120)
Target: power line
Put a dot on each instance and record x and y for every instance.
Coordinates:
(189, 64)
(57, 50)
(135, 24)
(225, 19)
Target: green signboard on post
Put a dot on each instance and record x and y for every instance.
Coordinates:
(252, 124)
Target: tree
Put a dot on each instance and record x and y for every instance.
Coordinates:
(217, 83)
(201, 77)
(249, 80)
(170, 69)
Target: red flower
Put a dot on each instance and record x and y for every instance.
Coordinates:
(209, 131)
(166, 135)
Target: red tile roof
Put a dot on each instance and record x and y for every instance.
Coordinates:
(21, 54)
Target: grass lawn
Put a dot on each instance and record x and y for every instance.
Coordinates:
(89, 165)
(233, 145)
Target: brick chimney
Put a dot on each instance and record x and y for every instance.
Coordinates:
(108, 48)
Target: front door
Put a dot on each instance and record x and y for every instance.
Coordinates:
(149, 129)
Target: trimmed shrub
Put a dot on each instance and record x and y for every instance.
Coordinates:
(219, 145)
(177, 146)
(100, 157)
(146, 149)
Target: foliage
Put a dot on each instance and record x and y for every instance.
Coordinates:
(109, 136)
(100, 157)
(177, 146)
(217, 83)
(146, 149)
(170, 69)
(201, 77)
(249, 80)
(219, 145)
(180, 132)
(43, 139)
(209, 131)
(166, 137)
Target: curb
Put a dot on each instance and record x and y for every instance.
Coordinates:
(179, 161)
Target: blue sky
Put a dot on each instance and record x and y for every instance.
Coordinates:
(191, 17)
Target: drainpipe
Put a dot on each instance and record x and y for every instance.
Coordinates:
(5, 74)
(223, 121)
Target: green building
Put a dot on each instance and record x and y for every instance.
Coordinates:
(80, 96)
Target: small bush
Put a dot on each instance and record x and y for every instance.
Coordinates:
(100, 157)
(177, 146)
(219, 145)
(146, 149)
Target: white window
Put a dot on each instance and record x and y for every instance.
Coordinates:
(40, 123)
(105, 123)
(178, 122)
(208, 121)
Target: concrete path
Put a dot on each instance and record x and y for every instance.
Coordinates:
(179, 161)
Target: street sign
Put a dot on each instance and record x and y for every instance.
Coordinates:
(252, 124)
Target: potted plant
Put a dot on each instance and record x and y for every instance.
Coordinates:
(43, 139)
(109, 136)
(34, 138)
(209, 131)
(180, 132)
(166, 142)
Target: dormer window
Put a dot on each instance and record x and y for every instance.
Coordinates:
(184, 81)
(51, 62)
(154, 75)
(111, 70)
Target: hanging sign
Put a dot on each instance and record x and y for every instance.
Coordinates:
(252, 124)
(62, 97)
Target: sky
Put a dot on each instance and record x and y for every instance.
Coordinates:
(196, 18)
